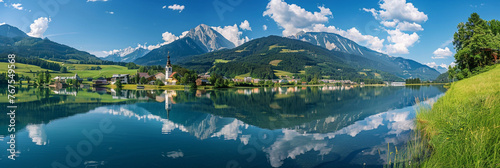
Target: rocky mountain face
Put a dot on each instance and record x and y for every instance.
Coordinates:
(401, 67)
(199, 40)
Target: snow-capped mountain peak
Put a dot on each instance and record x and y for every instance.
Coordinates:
(128, 54)
(209, 39)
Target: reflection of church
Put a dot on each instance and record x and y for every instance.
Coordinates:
(169, 100)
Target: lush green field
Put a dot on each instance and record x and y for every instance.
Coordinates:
(23, 69)
(463, 127)
(83, 70)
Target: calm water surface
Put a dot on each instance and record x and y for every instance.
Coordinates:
(262, 127)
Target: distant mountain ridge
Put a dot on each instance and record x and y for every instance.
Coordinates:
(265, 57)
(404, 68)
(128, 54)
(11, 31)
(199, 40)
(13, 40)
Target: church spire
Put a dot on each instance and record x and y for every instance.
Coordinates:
(168, 60)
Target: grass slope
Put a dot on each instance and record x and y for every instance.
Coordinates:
(81, 69)
(463, 127)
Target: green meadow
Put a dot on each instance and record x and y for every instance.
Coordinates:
(463, 127)
(83, 70)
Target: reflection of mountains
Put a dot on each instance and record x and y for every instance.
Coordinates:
(295, 143)
(313, 109)
(200, 125)
(42, 105)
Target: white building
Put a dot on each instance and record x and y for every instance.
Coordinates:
(123, 78)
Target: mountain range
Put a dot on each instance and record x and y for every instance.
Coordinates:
(204, 49)
(401, 67)
(266, 57)
(200, 40)
(128, 54)
(13, 40)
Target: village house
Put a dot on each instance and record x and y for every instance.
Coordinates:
(160, 76)
(123, 78)
(99, 82)
(247, 79)
(65, 79)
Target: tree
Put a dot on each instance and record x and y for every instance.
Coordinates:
(470, 41)
(27, 79)
(40, 78)
(143, 80)
(143, 69)
(47, 77)
(119, 84)
(64, 69)
(452, 72)
(159, 82)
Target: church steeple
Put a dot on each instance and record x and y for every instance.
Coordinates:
(168, 60)
(168, 69)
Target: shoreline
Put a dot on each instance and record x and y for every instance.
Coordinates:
(462, 128)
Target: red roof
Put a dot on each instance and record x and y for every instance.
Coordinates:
(143, 74)
(172, 75)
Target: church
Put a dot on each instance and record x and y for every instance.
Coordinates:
(169, 75)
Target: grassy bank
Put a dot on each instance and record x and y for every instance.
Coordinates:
(463, 127)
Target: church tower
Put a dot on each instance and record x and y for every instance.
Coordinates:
(168, 69)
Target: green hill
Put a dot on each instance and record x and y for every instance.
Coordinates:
(12, 40)
(261, 57)
(463, 127)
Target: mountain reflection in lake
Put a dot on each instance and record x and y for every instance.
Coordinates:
(261, 127)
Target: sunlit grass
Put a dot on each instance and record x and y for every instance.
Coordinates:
(463, 127)
(275, 62)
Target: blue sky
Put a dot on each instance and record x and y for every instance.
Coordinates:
(417, 29)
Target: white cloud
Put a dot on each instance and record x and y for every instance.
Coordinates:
(232, 34)
(404, 17)
(434, 65)
(353, 34)
(176, 7)
(389, 23)
(17, 6)
(164, 7)
(372, 11)
(245, 25)
(111, 13)
(407, 26)
(126, 51)
(441, 53)
(96, 0)
(183, 34)
(175, 154)
(39, 26)
(168, 38)
(152, 47)
(453, 64)
(447, 42)
(398, 10)
(293, 18)
(400, 41)
(264, 27)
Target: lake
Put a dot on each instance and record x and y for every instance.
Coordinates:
(327, 126)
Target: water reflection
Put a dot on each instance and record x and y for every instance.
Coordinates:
(260, 127)
(37, 134)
